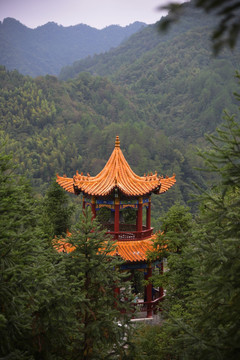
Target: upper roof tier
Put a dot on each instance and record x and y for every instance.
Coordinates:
(116, 174)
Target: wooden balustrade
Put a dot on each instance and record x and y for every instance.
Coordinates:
(131, 235)
(148, 306)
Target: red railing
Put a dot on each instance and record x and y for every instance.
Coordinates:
(131, 235)
(147, 308)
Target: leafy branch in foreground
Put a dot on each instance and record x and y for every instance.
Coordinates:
(227, 12)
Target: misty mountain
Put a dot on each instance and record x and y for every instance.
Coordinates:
(145, 44)
(48, 48)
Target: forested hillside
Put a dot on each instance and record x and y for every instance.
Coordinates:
(175, 74)
(63, 127)
(46, 49)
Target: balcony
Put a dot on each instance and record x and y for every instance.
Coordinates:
(146, 309)
(141, 309)
(128, 232)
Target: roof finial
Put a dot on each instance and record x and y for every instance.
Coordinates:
(117, 142)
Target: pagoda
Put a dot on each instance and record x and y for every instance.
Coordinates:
(118, 188)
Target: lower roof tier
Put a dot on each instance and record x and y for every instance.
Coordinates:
(129, 251)
(133, 251)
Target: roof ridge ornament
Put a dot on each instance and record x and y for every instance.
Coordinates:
(117, 142)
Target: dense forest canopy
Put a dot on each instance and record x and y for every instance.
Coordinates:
(63, 127)
(175, 74)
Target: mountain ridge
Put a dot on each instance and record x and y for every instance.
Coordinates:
(47, 48)
(143, 41)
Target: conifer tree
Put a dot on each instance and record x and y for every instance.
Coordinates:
(212, 332)
(208, 328)
(93, 274)
(34, 318)
(56, 211)
(171, 243)
(16, 224)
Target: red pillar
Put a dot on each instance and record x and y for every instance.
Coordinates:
(137, 220)
(149, 292)
(116, 215)
(93, 206)
(139, 214)
(117, 291)
(148, 219)
(83, 203)
(161, 293)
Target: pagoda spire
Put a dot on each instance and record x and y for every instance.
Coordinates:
(116, 173)
(117, 142)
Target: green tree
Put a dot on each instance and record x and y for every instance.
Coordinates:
(212, 331)
(15, 225)
(205, 325)
(208, 328)
(35, 311)
(172, 244)
(56, 211)
(93, 274)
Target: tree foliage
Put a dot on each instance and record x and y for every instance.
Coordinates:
(32, 287)
(213, 329)
(55, 305)
(56, 211)
(227, 13)
(93, 274)
(172, 244)
(202, 321)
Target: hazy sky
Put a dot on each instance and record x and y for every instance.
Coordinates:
(96, 13)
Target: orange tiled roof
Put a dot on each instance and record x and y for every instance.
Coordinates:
(131, 251)
(63, 246)
(116, 174)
